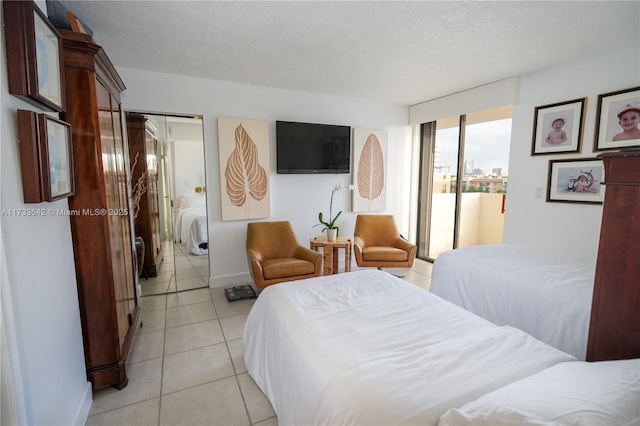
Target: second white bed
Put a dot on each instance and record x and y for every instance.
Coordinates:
(547, 296)
(368, 348)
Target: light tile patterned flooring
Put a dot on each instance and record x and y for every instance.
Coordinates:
(190, 271)
(187, 365)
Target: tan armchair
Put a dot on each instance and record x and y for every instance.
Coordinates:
(275, 256)
(377, 243)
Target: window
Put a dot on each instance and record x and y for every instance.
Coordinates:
(475, 148)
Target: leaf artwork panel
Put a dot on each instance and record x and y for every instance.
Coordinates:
(244, 174)
(244, 166)
(370, 150)
(371, 169)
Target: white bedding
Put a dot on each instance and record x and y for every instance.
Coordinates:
(544, 295)
(368, 348)
(191, 229)
(570, 393)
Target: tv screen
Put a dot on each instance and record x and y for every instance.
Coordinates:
(312, 148)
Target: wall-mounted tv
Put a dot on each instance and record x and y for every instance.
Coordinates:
(307, 148)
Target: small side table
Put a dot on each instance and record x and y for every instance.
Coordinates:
(330, 253)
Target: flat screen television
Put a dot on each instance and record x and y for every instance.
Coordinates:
(306, 148)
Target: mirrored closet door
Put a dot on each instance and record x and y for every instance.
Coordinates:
(169, 194)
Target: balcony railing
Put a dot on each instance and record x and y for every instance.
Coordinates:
(481, 222)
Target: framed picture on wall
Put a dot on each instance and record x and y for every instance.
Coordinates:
(45, 156)
(618, 120)
(576, 181)
(369, 170)
(243, 146)
(34, 51)
(557, 128)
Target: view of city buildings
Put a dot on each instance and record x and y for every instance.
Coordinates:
(486, 157)
(473, 180)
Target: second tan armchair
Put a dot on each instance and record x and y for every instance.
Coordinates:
(377, 243)
(275, 256)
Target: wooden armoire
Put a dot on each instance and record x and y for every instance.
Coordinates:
(614, 331)
(102, 228)
(143, 145)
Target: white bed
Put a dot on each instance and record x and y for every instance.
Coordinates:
(547, 296)
(190, 226)
(368, 348)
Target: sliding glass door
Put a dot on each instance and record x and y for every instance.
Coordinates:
(463, 181)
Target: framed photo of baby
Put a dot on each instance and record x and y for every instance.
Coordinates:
(557, 128)
(576, 181)
(618, 120)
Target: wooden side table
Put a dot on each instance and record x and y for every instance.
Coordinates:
(330, 253)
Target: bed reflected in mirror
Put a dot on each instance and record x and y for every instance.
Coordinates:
(175, 180)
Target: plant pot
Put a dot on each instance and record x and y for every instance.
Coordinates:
(332, 234)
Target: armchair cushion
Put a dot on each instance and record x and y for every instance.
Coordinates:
(286, 267)
(388, 254)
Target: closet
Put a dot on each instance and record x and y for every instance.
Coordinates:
(102, 230)
(615, 311)
(143, 156)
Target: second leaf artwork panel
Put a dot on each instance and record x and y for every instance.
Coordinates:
(369, 170)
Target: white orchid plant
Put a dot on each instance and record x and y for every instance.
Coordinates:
(331, 223)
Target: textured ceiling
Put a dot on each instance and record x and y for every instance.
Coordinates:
(399, 52)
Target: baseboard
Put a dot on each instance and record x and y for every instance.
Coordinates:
(82, 412)
(229, 280)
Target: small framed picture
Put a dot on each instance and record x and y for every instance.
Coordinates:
(46, 157)
(557, 128)
(618, 120)
(576, 181)
(34, 51)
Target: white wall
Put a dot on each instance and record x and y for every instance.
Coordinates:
(188, 165)
(562, 228)
(39, 294)
(297, 198)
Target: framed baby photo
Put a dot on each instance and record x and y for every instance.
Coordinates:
(557, 128)
(576, 181)
(618, 120)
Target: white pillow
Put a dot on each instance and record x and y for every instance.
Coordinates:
(569, 393)
(184, 202)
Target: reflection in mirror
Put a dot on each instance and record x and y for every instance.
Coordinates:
(175, 180)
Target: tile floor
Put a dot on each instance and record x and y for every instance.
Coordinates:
(190, 271)
(187, 365)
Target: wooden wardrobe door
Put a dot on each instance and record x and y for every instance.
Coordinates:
(614, 331)
(115, 177)
(123, 213)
